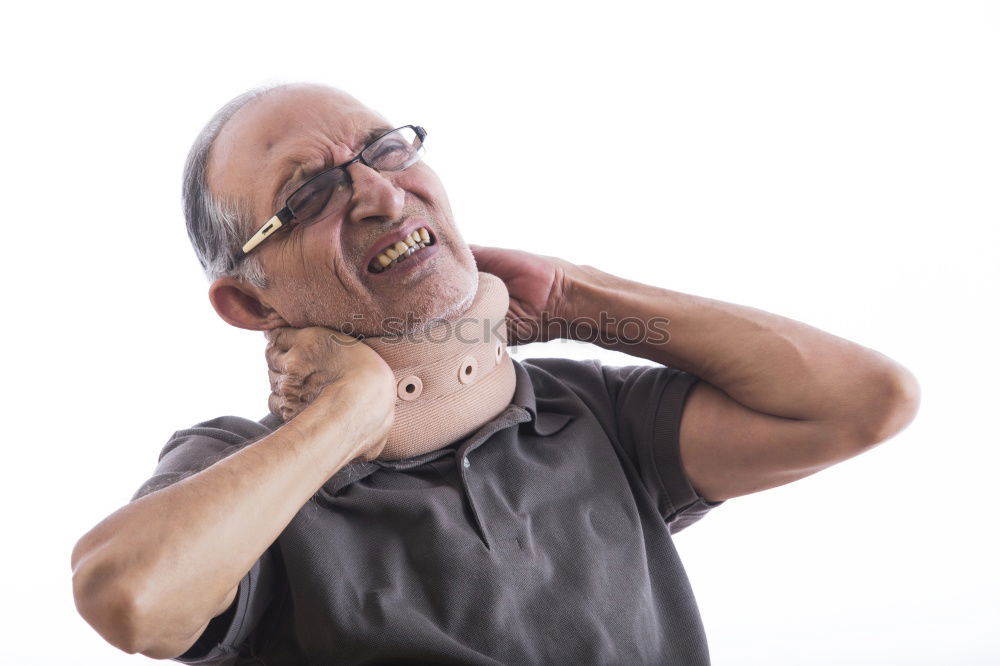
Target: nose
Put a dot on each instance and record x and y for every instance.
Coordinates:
(374, 195)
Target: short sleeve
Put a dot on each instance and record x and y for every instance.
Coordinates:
(648, 404)
(187, 452)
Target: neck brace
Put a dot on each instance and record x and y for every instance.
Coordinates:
(451, 377)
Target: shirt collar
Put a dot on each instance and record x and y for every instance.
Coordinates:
(524, 392)
(545, 423)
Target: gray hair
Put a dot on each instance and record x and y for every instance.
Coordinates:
(218, 226)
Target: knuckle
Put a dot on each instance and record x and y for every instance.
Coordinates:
(272, 354)
(281, 336)
(287, 387)
(313, 334)
(294, 377)
(295, 368)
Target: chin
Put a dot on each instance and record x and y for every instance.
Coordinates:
(446, 296)
(449, 293)
(461, 302)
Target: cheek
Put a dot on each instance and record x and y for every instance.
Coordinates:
(324, 250)
(298, 254)
(423, 183)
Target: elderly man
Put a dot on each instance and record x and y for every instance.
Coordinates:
(429, 499)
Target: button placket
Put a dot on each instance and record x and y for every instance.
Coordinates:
(476, 514)
(513, 416)
(509, 527)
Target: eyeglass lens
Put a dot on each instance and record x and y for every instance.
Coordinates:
(331, 189)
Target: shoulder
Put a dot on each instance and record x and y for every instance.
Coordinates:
(574, 386)
(225, 430)
(194, 448)
(233, 428)
(591, 377)
(565, 373)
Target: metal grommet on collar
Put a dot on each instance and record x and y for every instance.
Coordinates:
(409, 388)
(467, 370)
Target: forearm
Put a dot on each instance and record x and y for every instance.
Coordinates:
(764, 361)
(151, 574)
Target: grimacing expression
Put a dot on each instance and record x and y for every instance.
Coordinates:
(319, 272)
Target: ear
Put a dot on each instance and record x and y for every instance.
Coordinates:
(240, 305)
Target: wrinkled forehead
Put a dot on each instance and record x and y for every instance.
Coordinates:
(270, 139)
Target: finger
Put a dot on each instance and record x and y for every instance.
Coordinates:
(521, 331)
(281, 336)
(274, 405)
(273, 378)
(275, 357)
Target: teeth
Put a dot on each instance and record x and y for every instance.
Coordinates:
(402, 250)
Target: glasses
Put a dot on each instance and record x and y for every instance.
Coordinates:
(396, 150)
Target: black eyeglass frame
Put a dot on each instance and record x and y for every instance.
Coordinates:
(285, 215)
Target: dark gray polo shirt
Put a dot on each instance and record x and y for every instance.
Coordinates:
(542, 538)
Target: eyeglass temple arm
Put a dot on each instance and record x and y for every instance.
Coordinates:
(272, 225)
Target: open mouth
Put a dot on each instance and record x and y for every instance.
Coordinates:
(401, 250)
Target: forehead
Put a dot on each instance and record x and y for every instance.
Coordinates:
(263, 142)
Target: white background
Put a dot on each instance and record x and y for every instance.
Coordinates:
(834, 162)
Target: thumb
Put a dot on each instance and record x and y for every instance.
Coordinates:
(480, 254)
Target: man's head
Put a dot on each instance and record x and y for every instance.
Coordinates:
(248, 160)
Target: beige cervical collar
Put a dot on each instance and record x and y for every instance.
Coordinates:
(464, 379)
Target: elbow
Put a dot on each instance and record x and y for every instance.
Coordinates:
(113, 606)
(894, 411)
(110, 610)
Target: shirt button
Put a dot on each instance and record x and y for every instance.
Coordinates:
(465, 461)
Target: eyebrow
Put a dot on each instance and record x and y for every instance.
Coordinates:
(297, 172)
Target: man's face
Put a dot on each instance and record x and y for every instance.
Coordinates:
(318, 273)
